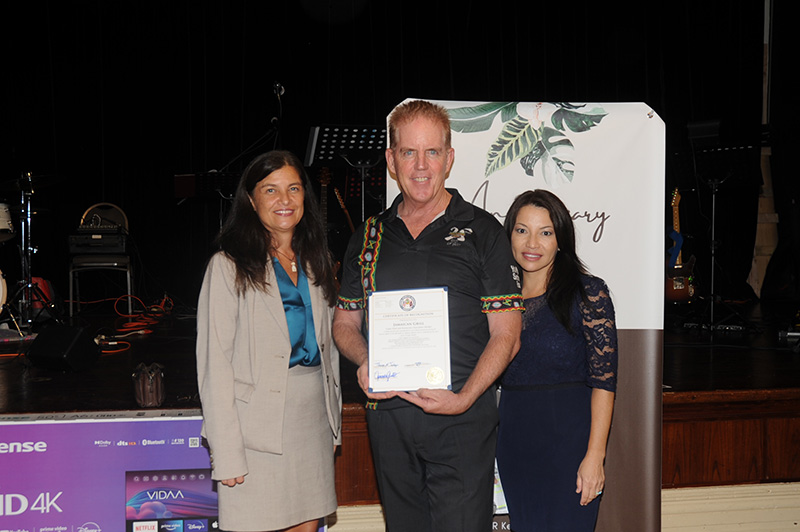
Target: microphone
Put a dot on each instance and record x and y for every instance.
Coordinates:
(278, 88)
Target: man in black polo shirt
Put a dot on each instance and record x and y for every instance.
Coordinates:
(434, 449)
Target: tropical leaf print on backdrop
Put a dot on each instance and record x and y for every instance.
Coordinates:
(529, 139)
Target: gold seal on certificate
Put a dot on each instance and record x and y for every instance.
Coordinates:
(435, 376)
(409, 340)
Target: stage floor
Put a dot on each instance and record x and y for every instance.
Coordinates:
(748, 349)
(743, 353)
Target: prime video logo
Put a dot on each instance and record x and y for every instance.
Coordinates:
(22, 447)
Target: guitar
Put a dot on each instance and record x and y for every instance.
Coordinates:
(344, 209)
(324, 181)
(679, 282)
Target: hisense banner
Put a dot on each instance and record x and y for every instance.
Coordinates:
(105, 476)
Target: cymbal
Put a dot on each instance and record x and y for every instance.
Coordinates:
(25, 183)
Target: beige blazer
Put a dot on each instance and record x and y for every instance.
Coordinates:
(243, 351)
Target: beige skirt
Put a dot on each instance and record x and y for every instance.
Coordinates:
(297, 486)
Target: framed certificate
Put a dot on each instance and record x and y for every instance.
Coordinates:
(409, 340)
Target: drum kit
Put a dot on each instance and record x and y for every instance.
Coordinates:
(29, 300)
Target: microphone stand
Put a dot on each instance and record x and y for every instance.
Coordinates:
(273, 132)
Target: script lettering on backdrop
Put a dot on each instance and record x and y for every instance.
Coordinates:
(596, 219)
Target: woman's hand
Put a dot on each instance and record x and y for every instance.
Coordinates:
(231, 482)
(591, 478)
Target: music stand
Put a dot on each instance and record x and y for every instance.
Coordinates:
(720, 162)
(362, 147)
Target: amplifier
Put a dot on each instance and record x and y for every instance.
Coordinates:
(97, 243)
(99, 228)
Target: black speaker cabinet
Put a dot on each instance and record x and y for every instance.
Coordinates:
(64, 348)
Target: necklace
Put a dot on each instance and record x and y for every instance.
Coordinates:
(292, 259)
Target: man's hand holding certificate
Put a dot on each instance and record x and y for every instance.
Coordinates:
(409, 340)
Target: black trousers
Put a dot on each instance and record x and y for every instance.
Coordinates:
(435, 473)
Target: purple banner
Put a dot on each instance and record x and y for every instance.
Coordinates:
(105, 476)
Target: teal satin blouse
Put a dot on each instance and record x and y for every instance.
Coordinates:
(299, 316)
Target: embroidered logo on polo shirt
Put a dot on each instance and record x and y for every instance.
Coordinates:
(457, 236)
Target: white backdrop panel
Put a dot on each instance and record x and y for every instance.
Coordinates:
(615, 193)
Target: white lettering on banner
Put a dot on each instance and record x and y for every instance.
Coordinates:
(13, 504)
(89, 527)
(16, 503)
(145, 526)
(44, 503)
(23, 447)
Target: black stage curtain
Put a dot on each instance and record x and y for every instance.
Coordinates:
(111, 99)
(782, 282)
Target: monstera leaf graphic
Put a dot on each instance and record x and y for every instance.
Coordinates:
(548, 147)
(574, 120)
(516, 140)
(480, 117)
(553, 150)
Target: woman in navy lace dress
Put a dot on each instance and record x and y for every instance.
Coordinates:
(558, 393)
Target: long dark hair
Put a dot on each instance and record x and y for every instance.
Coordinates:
(245, 240)
(564, 283)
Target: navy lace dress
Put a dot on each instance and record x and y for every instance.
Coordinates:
(545, 411)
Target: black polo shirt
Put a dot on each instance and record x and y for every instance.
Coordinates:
(465, 249)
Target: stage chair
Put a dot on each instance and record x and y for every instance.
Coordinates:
(100, 243)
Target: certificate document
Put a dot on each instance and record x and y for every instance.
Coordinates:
(409, 340)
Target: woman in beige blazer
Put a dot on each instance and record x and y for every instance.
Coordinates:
(268, 371)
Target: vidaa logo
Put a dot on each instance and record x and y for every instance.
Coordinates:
(163, 495)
